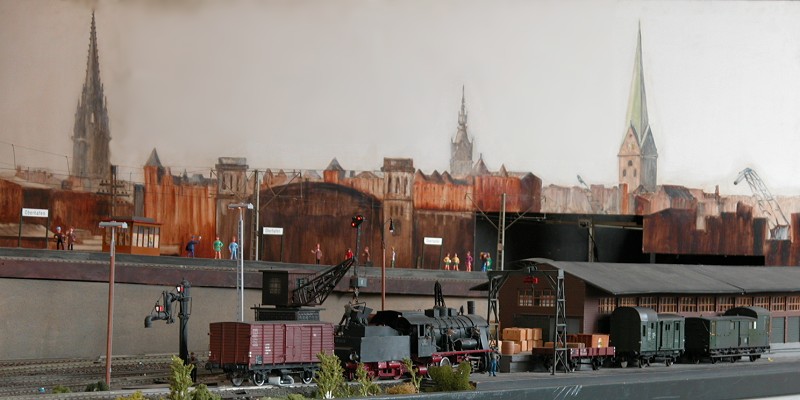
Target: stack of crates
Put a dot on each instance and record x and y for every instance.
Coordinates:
(519, 340)
(595, 340)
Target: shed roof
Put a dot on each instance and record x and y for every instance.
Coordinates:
(627, 279)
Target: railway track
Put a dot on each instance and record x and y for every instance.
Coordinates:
(27, 377)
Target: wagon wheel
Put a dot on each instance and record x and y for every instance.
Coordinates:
(307, 376)
(595, 364)
(753, 358)
(259, 378)
(668, 362)
(623, 363)
(713, 360)
(237, 378)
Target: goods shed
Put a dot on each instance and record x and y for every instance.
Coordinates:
(594, 290)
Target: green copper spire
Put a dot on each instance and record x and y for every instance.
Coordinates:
(637, 102)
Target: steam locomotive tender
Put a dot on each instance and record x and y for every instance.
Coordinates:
(436, 336)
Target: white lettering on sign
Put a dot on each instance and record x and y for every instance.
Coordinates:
(433, 241)
(35, 212)
(273, 231)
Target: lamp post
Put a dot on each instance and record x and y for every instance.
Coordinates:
(240, 272)
(110, 328)
(383, 267)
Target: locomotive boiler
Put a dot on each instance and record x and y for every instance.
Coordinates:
(436, 336)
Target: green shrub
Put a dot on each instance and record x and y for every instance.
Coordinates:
(403, 388)
(62, 389)
(137, 395)
(295, 396)
(366, 385)
(447, 379)
(201, 392)
(181, 383)
(99, 386)
(413, 371)
(330, 377)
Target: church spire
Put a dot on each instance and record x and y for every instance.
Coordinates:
(461, 146)
(637, 102)
(91, 134)
(638, 156)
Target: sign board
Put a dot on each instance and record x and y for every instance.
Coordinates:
(433, 241)
(273, 231)
(35, 212)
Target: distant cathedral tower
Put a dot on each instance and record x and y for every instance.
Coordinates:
(638, 156)
(461, 146)
(91, 135)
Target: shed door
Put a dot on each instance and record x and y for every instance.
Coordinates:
(777, 330)
(793, 333)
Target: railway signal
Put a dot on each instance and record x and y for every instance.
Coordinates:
(357, 220)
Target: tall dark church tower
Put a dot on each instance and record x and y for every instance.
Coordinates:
(461, 146)
(91, 135)
(638, 155)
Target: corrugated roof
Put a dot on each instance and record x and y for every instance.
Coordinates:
(627, 279)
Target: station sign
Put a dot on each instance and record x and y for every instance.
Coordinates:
(273, 231)
(433, 241)
(35, 212)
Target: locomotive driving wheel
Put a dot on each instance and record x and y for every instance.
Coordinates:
(444, 361)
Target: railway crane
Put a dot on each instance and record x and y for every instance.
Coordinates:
(778, 223)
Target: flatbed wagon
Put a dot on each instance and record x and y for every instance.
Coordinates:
(577, 356)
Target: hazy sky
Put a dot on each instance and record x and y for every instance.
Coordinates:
(293, 84)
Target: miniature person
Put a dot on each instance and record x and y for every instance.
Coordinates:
(447, 262)
(217, 248)
(193, 363)
(488, 261)
(234, 249)
(469, 261)
(71, 238)
(455, 261)
(394, 256)
(191, 244)
(494, 356)
(59, 238)
(348, 254)
(317, 253)
(366, 256)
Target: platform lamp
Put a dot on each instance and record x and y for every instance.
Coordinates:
(383, 267)
(110, 329)
(240, 273)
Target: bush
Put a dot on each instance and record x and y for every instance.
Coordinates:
(413, 371)
(99, 386)
(63, 389)
(295, 396)
(447, 379)
(137, 395)
(181, 382)
(403, 388)
(366, 387)
(330, 377)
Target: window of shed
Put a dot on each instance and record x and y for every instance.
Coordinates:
(274, 286)
(724, 303)
(777, 303)
(793, 303)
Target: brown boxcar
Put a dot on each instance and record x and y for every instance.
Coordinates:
(259, 350)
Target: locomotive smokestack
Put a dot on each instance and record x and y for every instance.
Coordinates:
(471, 307)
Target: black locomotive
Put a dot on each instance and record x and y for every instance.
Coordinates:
(436, 336)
